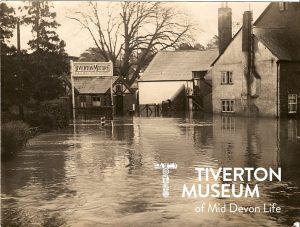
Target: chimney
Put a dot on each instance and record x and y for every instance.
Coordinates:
(224, 27)
(247, 31)
(247, 48)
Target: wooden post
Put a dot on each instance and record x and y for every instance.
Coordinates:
(20, 75)
(73, 91)
(147, 111)
(18, 36)
(111, 90)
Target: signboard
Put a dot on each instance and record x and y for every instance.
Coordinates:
(90, 69)
(82, 69)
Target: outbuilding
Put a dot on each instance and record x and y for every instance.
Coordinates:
(179, 79)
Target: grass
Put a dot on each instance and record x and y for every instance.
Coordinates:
(14, 137)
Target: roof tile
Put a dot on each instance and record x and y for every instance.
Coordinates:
(178, 65)
(93, 85)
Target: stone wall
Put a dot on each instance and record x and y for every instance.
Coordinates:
(265, 101)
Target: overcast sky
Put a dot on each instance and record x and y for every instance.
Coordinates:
(204, 14)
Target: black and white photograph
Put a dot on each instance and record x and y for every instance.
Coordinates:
(150, 113)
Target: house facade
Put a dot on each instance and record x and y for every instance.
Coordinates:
(124, 97)
(258, 73)
(93, 95)
(92, 92)
(177, 79)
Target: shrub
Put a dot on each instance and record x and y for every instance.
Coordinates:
(32, 119)
(47, 121)
(14, 136)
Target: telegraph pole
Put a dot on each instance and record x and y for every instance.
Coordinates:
(18, 36)
(19, 73)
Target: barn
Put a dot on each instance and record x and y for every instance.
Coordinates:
(179, 79)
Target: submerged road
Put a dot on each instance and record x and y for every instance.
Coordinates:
(105, 176)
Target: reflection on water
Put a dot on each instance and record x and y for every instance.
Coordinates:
(105, 175)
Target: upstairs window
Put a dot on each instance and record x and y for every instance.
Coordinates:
(82, 102)
(292, 103)
(196, 74)
(119, 87)
(96, 101)
(226, 77)
(283, 6)
(227, 106)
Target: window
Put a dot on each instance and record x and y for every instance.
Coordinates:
(96, 101)
(196, 74)
(227, 106)
(82, 102)
(119, 88)
(226, 77)
(283, 6)
(292, 103)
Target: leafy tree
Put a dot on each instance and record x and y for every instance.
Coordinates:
(213, 43)
(48, 60)
(133, 32)
(43, 23)
(8, 22)
(187, 46)
(199, 46)
(90, 55)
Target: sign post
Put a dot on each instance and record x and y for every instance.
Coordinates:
(90, 69)
(111, 90)
(73, 92)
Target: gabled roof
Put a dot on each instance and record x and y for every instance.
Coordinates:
(67, 80)
(178, 65)
(212, 64)
(122, 81)
(93, 85)
(279, 30)
(282, 44)
(262, 14)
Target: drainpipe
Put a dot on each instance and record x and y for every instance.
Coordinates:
(278, 90)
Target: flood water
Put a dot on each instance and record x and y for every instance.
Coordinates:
(93, 176)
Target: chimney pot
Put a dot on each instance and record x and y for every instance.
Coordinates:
(224, 27)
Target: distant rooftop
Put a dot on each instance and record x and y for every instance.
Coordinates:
(93, 85)
(283, 43)
(279, 30)
(178, 65)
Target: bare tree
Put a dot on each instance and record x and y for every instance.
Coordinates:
(133, 32)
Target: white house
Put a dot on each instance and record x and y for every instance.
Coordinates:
(172, 73)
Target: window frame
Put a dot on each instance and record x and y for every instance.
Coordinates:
(226, 78)
(119, 88)
(292, 102)
(96, 103)
(196, 74)
(229, 105)
(283, 6)
(82, 101)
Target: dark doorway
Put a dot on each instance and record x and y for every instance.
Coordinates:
(119, 105)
